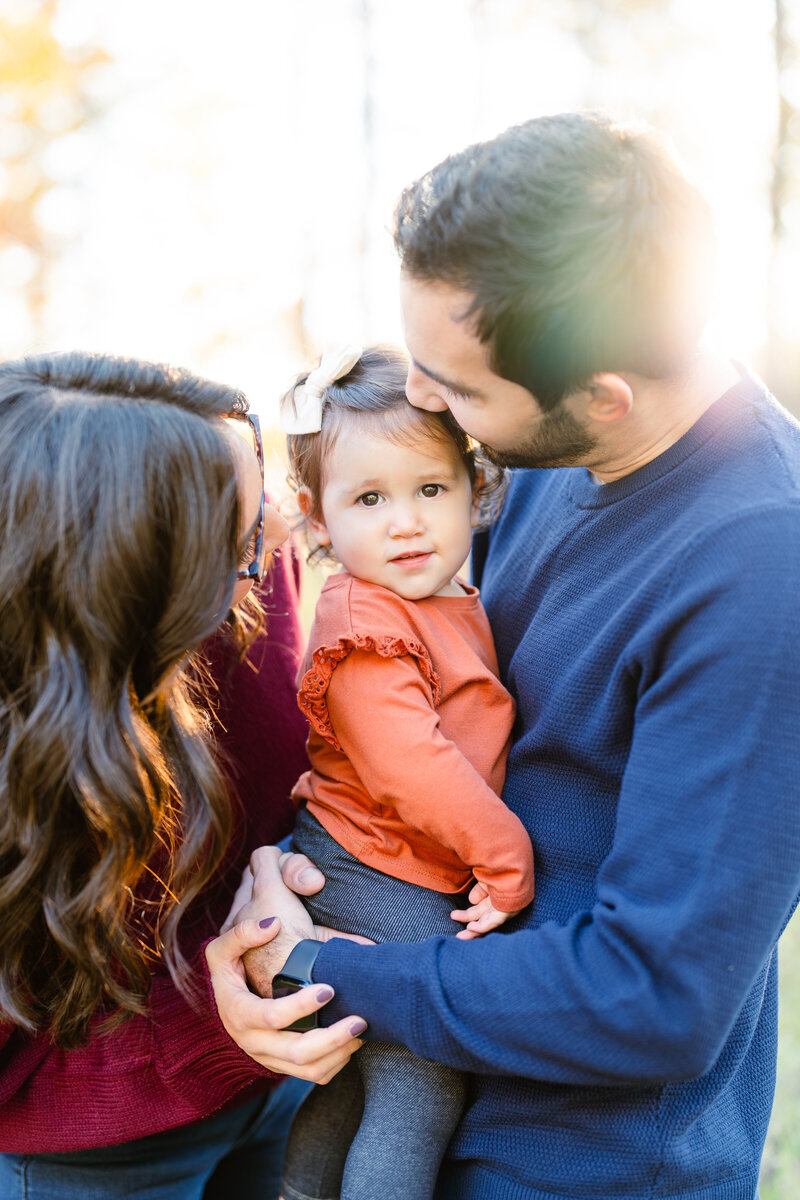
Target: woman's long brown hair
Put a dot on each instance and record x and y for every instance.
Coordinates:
(119, 521)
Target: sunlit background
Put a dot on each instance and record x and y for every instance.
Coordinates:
(213, 185)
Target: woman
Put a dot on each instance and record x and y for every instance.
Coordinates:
(132, 524)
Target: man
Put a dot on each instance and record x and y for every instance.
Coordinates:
(642, 584)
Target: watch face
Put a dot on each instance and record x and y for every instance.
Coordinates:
(284, 985)
(296, 974)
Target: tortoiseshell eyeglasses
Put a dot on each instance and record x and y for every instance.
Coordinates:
(257, 565)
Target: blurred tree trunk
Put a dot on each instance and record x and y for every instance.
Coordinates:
(781, 366)
(45, 97)
(368, 143)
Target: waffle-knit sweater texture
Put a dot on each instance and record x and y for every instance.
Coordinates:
(178, 1065)
(623, 1038)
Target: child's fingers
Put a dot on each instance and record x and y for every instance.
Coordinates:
(471, 914)
(473, 929)
(477, 893)
(484, 921)
(479, 900)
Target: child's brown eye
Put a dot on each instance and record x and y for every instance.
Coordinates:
(429, 490)
(369, 499)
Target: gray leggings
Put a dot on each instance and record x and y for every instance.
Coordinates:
(380, 1128)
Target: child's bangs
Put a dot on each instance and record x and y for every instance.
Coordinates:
(400, 423)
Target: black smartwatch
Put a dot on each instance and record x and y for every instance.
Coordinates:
(296, 974)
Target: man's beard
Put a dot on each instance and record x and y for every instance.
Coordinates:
(559, 440)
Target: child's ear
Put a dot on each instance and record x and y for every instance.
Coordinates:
(312, 518)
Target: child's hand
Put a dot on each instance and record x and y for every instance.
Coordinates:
(482, 917)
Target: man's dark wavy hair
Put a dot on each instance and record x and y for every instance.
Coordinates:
(119, 532)
(582, 243)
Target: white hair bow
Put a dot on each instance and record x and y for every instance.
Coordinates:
(307, 414)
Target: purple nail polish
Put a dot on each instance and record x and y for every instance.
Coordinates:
(358, 1027)
(265, 924)
(324, 994)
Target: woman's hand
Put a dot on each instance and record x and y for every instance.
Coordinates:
(258, 1025)
(269, 897)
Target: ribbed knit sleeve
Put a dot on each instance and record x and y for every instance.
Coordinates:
(153, 1073)
(644, 985)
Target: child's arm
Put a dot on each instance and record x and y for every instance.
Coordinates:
(381, 710)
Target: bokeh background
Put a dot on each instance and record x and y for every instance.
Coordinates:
(213, 185)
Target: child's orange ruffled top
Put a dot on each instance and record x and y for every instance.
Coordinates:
(410, 730)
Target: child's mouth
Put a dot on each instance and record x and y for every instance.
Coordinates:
(414, 558)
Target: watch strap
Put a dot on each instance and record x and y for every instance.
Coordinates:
(295, 975)
(300, 962)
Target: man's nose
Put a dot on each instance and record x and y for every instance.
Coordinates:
(424, 392)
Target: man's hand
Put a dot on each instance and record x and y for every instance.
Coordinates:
(269, 897)
(298, 873)
(482, 917)
(258, 1025)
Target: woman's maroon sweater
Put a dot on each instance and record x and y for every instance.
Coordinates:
(178, 1064)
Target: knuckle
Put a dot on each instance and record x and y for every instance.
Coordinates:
(240, 931)
(263, 856)
(296, 1054)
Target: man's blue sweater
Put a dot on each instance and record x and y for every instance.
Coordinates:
(622, 1034)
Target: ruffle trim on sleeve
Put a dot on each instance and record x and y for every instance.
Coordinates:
(325, 659)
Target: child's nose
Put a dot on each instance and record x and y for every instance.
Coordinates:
(404, 521)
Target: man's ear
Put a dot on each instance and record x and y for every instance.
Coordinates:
(312, 518)
(610, 397)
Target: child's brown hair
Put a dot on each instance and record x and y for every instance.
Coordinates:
(372, 396)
